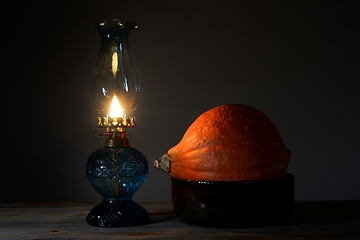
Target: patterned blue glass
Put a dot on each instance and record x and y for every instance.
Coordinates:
(116, 172)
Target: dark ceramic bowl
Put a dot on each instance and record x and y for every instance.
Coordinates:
(235, 203)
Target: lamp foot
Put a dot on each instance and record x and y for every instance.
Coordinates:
(111, 213)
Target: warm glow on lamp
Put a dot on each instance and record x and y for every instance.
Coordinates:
(115, 110)
(114, 63)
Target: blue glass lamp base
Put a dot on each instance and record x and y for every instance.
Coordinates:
(111, 213)
(116, 173)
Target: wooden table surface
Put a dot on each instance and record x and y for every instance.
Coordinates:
(309, 220)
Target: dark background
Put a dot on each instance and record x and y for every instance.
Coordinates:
(296, 61)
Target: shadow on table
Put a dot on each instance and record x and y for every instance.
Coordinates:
(320, 211)
(160, 212)
(157, 217)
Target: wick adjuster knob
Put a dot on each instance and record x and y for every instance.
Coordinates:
(96, 134)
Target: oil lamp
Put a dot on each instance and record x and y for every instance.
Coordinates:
(116, 170)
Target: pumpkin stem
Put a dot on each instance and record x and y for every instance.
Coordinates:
(163, 163)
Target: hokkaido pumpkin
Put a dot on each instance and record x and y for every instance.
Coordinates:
(231, 142)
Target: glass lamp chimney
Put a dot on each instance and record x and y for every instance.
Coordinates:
(115, 74)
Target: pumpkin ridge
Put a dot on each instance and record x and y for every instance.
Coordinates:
(227, 143)
(222, 156)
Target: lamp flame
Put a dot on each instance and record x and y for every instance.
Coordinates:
(115, 110)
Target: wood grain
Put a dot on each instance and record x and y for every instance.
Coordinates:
(309, 220)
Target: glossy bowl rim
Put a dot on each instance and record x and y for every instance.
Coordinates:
(201, 182)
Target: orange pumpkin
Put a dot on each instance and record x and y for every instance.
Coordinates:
(231, 142)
